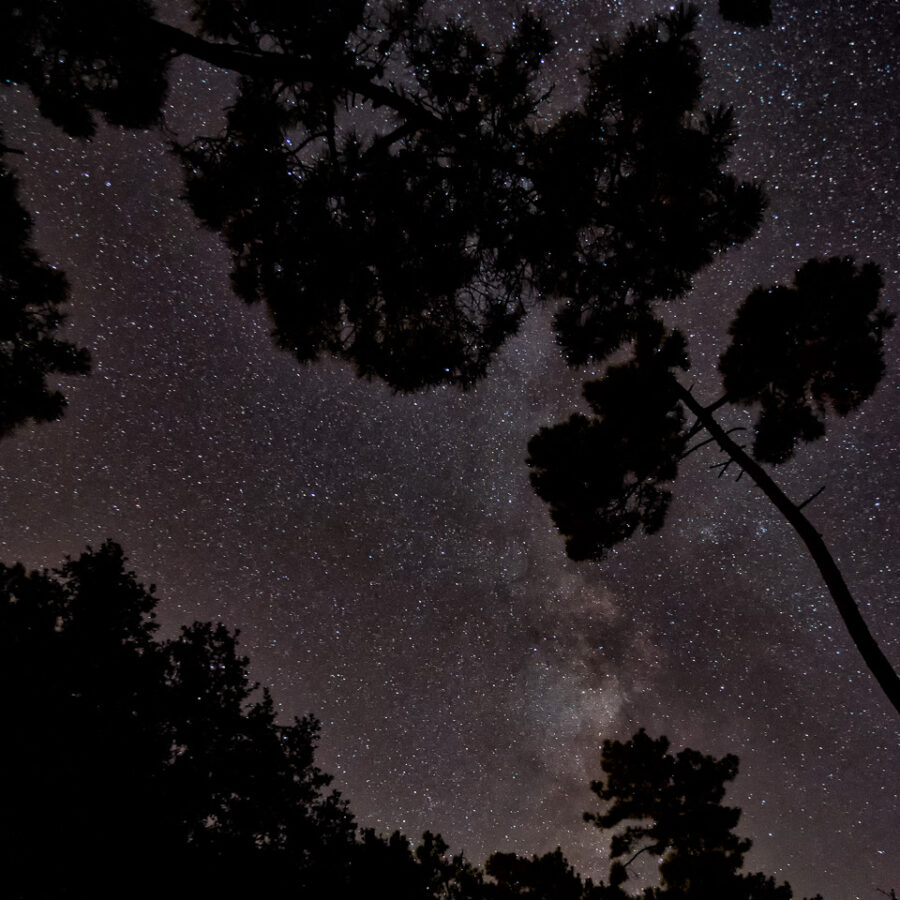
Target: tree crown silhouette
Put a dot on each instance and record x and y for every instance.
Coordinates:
(395, 190)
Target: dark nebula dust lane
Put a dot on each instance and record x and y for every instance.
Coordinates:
(387, 562)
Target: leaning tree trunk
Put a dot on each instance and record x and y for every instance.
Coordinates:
(872, 654)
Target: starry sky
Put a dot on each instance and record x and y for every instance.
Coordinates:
(384, 556)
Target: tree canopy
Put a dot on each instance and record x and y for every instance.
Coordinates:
(397, 190)
(796, 353)
(670, 806)
(122, 749)
(136, 765)
(32, 295)
(397, 193)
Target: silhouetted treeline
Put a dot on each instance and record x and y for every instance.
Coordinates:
(139, 767)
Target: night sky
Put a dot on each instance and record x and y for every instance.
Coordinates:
(384, 556)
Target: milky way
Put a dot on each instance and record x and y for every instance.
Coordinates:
(384, 556)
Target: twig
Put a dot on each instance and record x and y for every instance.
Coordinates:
(811, 497)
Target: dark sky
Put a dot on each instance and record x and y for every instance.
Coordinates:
(384, 556)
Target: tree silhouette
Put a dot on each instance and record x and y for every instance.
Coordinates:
(640, 202)
(135, 765)
(796, 353)
(32, 295)
(387, 189)
(548, 877)
(386, 183)
(601, 475)
(670, 806)
(123, 749)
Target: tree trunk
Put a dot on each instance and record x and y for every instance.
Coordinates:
(874, 658)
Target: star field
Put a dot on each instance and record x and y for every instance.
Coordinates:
(384, 556)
